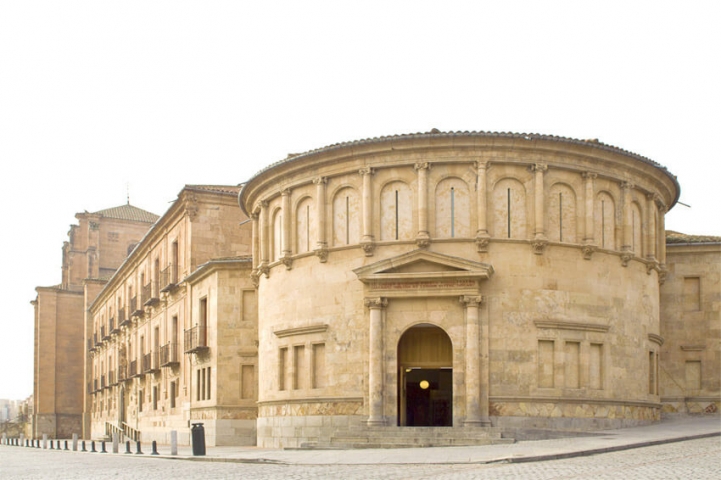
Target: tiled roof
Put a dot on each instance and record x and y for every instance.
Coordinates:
(230, 189)
(129, 212)
(436, 133)
(677, 237)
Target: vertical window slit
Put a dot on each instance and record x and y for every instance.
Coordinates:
(347, 220)
(508, 211)
(603, 223)
(307, 228)
(453, 212)
(396, 214)
(560, 216)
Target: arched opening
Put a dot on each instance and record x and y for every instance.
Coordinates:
(425, 378)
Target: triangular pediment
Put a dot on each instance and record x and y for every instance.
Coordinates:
(422, 272)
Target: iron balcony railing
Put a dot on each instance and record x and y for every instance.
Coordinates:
(133, 370)
(169, 355)
(104, 334)
(169, 277)
(136, 309)
(123, 320)
(151, 293)
(196, 339)
(150, 362)
(102, 381)
(96, 339)
(113, 327)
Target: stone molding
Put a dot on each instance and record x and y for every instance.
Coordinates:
(376, 302)
(693, 348)
(580, 400)
(288, 332)
(658, 339)
(297, 401)
(561, 325)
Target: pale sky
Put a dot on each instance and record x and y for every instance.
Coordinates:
(98, 98)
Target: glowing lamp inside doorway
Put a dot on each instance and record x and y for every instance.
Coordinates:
(424, 384)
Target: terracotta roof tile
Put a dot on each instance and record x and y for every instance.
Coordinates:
(230, 189)
(129, 212)
(677, 237)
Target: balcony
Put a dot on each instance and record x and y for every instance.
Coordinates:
(196, 340)
(91, 345)
(95, 385)
(136, 308)
(169, 278)
(133, 370)
(150, 362)
(169, 355)
(111, 378)
(102, 382)
(96, 339)
(112, 327)
(149, 295)
(104, 334)
(123, 321)
(122, 373)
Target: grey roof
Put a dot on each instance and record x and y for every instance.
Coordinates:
(677, 237)
(129, 212)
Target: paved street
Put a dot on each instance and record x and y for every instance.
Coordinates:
(692, 459)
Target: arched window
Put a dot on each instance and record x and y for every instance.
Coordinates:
(636, 229)
(396, 212)
(305, 236)
(346, 217)
(453, 212)
(276, 252)
(605, 221)
(509, 209)
(561, 214)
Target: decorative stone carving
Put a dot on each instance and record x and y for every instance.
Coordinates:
(471, 300)
(589, 175)
(423, 240)
(322, 253)
(368, 247)
(264, 269)
(482, 242)
(538, 167)
(662, 273)
(539, 246)
(287, 260)
(376, 302)
(255, 277)
(588, 251)
(366, 171)
(191, 206)
(626, 257)
(422, 166)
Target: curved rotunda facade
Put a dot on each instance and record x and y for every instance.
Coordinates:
(459, 280)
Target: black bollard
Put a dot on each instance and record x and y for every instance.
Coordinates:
(155, 448)
(51, 445)
(127, 447)
(83, 446)
(92, 449)
(66, 445)
(57, 445)
(103, 445)
(139, 452)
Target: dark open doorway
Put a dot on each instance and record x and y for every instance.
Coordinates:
(425, 378)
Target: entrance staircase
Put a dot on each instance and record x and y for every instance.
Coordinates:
(408, 437)
(124, 431)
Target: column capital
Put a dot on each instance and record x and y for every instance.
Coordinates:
(320, 180)
(422, 166)
(263, 204)
(285, 192)
(539, 167)
(255, 215)
(589, 175)
(483, 164)
(367, 171)
(471, 300)
(375, 302)
(627, 185)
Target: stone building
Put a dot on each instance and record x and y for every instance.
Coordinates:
(172, 335)
(471, 280)
(96, 246)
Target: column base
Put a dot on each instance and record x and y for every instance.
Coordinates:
(375, 422)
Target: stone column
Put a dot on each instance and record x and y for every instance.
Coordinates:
(482, 235)
(375, 360)
(423, 239)
(264, 238)
(322, 246)
(627, 235)
(474, 416)
(662, 234)
(285, 205)
(367, 207)
(589, 228)
(254, 216)
(651, 227)
(539, 231)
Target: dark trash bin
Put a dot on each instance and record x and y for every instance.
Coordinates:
(197, 433)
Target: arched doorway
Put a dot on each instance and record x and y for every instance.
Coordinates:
(425, 377)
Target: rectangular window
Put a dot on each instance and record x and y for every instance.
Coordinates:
(691, 294)
(595, 364)
(282, 366)
(319, 375)
(572, 364)
(140, 400)
(247, 381)
(198, 386)
(173, 393)
(155, 397)
(207, 383)
(300, 371)
(693, 376)
(545, 363)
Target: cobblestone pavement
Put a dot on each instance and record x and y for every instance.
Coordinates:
(693, 459)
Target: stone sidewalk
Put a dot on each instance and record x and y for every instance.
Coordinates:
(668, 431)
